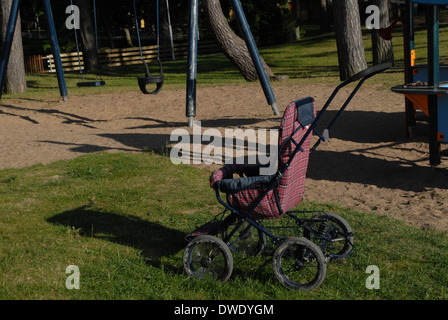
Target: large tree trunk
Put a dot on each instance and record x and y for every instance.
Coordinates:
(233, 46)
(351, 52)
(15, 81)
(381, 49)
(88, 40)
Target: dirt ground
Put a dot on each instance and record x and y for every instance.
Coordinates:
(369, 165)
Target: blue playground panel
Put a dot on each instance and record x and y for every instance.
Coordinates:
(442, 109)
(442, 102)
(422, 73)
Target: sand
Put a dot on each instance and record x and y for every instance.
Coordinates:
(370, 164)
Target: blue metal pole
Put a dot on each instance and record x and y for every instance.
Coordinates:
(193, 37)
(9, 37)
(56, 52)
(433, 46)
(409, 46)
(255, 55)
(434, 81)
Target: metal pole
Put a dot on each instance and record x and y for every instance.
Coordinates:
(434, 81)
(252, 47)
(409, 46)
(193, 37)
(56, 53)
(433, 46)
(171, 30)
(9, 37)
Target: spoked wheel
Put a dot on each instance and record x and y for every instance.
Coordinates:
(299, 264)
(208, 258)
(247, 239)
(331, 233)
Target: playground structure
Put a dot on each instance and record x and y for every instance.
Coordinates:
(9, 37)
(82, 81)
(143, 81)
(424, 88)
(147, 79)
(193, 37)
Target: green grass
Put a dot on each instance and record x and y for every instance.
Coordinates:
(121, 218)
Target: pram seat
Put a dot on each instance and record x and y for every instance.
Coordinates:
(279, 192)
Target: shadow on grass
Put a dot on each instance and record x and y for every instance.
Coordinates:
(153, 240)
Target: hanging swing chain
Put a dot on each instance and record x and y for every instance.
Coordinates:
(76, 42)
(138, 36)
(138, 30)
(96, 25)
(158, 31)
(98, 72)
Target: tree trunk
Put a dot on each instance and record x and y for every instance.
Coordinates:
(128, 37)
(381, 49)
(324, 21)
(233, 46)
(351, 52)
(15, 81)
(88, 40)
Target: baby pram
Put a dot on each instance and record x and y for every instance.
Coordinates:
(258, 207)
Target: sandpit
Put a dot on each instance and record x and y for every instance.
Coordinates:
(369, 165)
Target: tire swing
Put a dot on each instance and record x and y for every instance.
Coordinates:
(148, 79)
(82, 82)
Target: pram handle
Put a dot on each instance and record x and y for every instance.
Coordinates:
(370, 71)
(362, 76)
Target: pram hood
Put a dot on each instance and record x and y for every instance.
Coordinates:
(277, 198)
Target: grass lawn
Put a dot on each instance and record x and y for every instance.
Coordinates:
(121, 218)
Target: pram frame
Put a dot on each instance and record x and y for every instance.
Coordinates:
(314, 253)
(362, 77)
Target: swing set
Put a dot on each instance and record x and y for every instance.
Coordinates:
(148, 78)
(143, 81)
(9, 37)
(82, 81)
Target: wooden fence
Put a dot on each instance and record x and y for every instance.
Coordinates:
(35, 64)
(130, 56)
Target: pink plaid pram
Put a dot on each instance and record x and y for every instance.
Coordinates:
(242, 193)
(256, 202)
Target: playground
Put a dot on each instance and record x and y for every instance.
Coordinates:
(369, 164)
(88, 174)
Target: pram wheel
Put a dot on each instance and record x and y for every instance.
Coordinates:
(208, 258)
(299, 264)
(247, 239)
(331, 233)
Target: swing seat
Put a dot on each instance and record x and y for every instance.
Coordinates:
(143, 81)
(91, 83)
